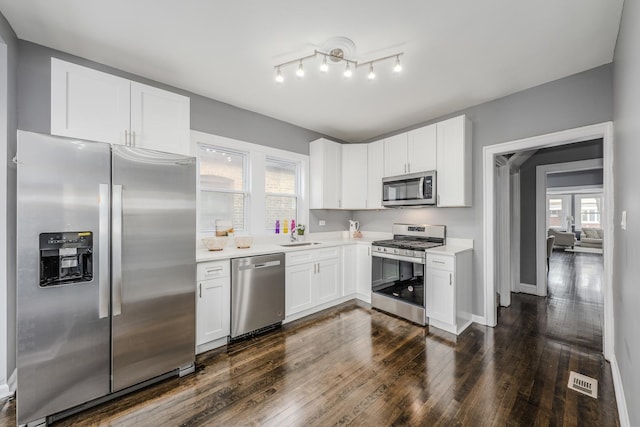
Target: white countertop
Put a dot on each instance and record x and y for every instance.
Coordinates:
(270, 245)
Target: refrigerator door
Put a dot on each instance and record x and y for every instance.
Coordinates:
(63, 325)
(153, 258)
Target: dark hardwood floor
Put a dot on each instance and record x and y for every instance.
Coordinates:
(352, 365)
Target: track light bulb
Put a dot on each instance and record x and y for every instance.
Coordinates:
(279, 78)
(372, 74)
(324, 67)
(347, 71)
(397, 68)
(300, 70)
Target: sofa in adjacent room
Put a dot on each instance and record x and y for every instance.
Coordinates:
(591, 237)
(562, 238)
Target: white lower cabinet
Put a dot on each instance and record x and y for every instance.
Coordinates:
(448, 291)
(313, 279)
(213, 304)
(363, 272)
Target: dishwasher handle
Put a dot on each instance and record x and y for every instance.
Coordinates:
(259, 265)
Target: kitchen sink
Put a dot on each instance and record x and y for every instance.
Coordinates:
(293, 245)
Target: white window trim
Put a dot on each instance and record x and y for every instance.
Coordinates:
(566, 211)
(577, 197)
(256, 167)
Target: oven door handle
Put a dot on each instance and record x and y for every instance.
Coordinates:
(399, 257)
(421, 188)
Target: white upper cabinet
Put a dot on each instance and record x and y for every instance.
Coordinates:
(159, 119)
(325, 170)
(395, 155)
(354, 176)
(422, 146)
(90, 104)
(375, 172)
(411, 152)
(454, 163)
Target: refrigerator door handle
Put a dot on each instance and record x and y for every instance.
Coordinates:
(116, 248)
(103, 238)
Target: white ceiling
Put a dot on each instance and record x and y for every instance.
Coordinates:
(458, 53)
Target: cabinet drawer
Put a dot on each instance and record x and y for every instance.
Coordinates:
(440, 262)
(312, 255)
(213, 269)
(327, 253)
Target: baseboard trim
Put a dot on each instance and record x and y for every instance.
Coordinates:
(5, 391)
(528, 288)
(623, 413)
(13, 381)
(479, 319)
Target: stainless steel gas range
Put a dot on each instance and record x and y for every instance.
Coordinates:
(398, 279)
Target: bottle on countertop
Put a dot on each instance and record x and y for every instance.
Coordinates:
(293, 225)
(277, 226)
(286, 226)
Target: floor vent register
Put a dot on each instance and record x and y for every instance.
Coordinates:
(583, 384)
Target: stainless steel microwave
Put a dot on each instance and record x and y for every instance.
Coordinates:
(409, 190)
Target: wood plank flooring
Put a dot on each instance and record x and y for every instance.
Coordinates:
(352, 365)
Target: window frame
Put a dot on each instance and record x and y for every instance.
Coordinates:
(296, 195)
(245, 184)
(255, 206)
(577, 201)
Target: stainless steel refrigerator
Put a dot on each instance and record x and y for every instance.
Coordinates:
(106, 270)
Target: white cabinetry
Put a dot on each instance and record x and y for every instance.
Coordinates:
(410, 152)
(354, 176)
(395, 155)
(212, 303)
(454, 162)
(313, 279)
(375, 172)
(89, 104)
(448, 291)
(325, 167)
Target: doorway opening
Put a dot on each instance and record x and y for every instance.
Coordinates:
(494, 277)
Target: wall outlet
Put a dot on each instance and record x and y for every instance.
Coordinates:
(322, 223)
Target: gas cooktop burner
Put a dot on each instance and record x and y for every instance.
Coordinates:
(413, 244)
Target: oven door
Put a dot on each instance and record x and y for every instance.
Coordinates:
(409, 190)
(398, 286)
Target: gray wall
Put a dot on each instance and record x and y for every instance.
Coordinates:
(207, 115)
(575, 179)
(562, 154)
(626, 251)
(578, 100)
(8, 306)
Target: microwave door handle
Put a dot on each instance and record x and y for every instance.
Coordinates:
(421, 188)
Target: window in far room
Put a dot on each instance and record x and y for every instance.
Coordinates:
(558, 208)
(588, 210)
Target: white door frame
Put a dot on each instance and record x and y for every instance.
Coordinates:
(582, 134)
(541, 213)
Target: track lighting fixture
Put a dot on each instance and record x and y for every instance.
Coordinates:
(337, 55)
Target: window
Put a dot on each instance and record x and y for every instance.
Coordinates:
(589, 210)
(281, 192)
(223, 187)
(558, 208)
(252, 185)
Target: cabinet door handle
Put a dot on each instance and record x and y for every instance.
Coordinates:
(405, 168)
(318, 268)
(408, 167)
(200, 290)
(126, 137)
(212, 269)
(315, 268)
(435, 261)
(133, 138)
(450, 279)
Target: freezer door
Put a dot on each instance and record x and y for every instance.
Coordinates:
(63, 325)
(153, 258)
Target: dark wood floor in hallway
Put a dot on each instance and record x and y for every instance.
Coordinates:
(352, 365)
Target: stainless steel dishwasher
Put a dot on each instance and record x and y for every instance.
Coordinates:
(257, 293)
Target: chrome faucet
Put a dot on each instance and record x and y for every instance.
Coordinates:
(294, 238)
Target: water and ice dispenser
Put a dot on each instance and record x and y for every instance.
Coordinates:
(66, 257)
